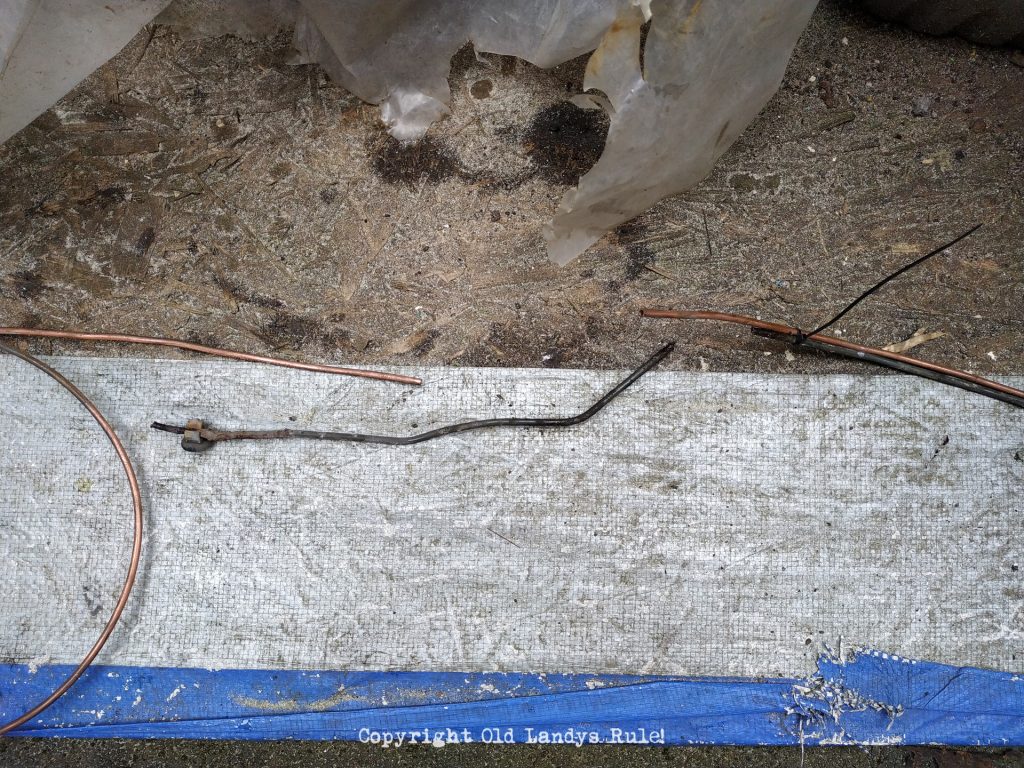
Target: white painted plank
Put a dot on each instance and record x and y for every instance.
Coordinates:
(720, 524)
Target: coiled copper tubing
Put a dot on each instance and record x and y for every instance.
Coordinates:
(133, 562)
(122, 455)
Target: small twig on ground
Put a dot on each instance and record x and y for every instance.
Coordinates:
(830, 122)
(918, 337)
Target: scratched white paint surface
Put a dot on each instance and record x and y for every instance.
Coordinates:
(720, 524)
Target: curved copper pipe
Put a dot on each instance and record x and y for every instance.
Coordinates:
(750, 322)
(159, 341)
(122, 455)
(133, 563)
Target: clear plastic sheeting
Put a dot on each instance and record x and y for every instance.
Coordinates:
(248, 19)
(398, 55)
(707, 69)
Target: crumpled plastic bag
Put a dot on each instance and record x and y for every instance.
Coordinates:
(398, 54)
(708, 69)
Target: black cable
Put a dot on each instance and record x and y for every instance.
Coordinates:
(198, 438)
(801, 336)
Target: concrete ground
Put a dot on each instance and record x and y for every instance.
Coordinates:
(211, 190)
(175, 754)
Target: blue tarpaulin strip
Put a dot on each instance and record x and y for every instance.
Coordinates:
(874, 698)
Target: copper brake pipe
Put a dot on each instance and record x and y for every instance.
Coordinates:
(794, 333)
(159, 341)
(133, 563)
(122, 455)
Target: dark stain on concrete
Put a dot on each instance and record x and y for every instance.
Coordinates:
(27, 284)
(632, 237)
(746, 182)
(481, 89)
(430, 337)
(564, 141)
(295, 331)
(104, 198)
(410, 163)
(144, 241)
(243, 295)
(94, 605)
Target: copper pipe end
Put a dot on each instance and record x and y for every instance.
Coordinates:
(796, 336)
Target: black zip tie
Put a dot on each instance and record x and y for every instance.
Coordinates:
(197, 438)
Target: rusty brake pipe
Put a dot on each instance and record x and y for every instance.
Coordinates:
(133, 563)
(894, 360)
(159, 341)
(197, 438)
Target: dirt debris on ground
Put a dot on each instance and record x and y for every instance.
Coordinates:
(85, 753)
(212, 190)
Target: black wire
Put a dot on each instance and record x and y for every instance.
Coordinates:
(802, 337)
(203, 438)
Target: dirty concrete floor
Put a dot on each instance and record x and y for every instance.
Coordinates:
(211, 190)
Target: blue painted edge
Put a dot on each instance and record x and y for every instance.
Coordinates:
(870, 698)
